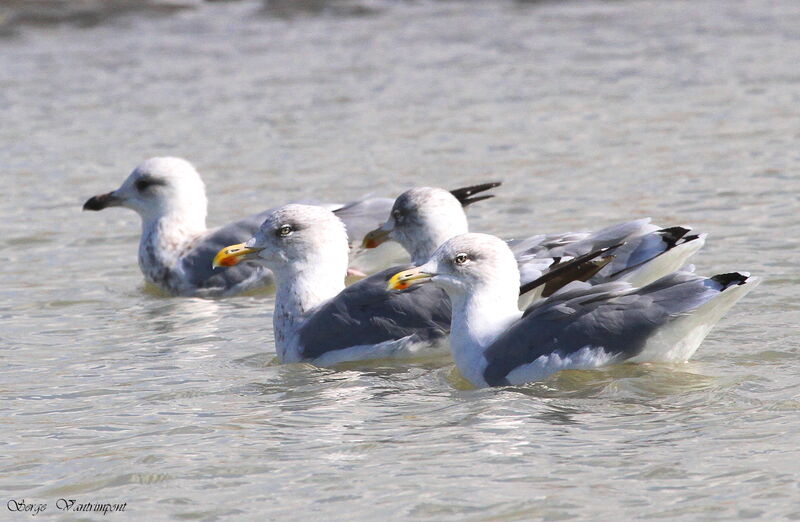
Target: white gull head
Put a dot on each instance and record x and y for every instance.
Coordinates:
(470, 264)
(170, 197)
(306, 247)
(302, 238)
(479, 273)
(423, 218)
(167, 186)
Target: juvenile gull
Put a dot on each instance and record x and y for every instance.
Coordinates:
(317, 319)
(423, 218)
(176, 249)
(580, 327)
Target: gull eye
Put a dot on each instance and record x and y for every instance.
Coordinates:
(285, 230)
(461, 258)
(397, 215)
(142, 184)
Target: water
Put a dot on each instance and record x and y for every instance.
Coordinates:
(590, 112)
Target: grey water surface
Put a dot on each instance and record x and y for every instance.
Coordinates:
(590, 112)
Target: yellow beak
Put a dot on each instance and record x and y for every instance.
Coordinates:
(232, 255)
(375, 238)
(406, 278)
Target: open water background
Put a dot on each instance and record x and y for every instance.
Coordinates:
(591, 113)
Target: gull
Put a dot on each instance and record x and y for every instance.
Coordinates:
(423, 218)
(316, 319)
(580, 327)
(176, 249)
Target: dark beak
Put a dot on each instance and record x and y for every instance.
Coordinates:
(102, 201)
(375, 238)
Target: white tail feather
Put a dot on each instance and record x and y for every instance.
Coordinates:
(664, 264)
(678, 340)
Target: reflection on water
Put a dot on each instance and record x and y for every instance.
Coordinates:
(84, 13)
(295, 8)
(194, 316)
(15, 14)
(589, 112)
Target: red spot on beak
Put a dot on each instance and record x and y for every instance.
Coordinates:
(229, 261)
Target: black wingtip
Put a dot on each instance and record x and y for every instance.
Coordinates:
(730, 279)
(579, 269)
(470, 201)
(463, 194)
(672, 235)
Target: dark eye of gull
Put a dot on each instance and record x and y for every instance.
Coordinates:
(397, 215)
(461, 258)
(146, 182)
(284, 230)
(143, 184)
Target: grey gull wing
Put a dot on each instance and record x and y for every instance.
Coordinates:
(640, 257)
(197, 262)
(363, 215)
(645, 248)
(611, 316)
(579, 243)
(365, 313)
